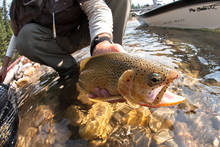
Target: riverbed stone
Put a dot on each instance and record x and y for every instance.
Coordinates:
(139, 117)
(129, 136)
(163, 136)
(75, 115)
(42, 114)
(183, 135)
(96, 125)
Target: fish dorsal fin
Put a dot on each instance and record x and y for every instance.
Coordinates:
(83, 63)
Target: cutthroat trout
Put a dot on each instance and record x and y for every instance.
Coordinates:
(131, 78)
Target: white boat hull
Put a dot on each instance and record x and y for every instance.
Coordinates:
(197, 16)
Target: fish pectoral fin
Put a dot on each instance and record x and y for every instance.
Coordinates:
(125, 83)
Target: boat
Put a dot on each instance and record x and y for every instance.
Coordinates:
(186, 14)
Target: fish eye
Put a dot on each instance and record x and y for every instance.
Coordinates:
(155, 77)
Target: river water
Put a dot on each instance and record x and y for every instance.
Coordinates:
(47, 120)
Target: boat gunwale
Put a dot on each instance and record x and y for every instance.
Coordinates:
(173, 6)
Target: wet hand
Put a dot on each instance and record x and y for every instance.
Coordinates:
(3, 72)
(101, 48)
(106, 47)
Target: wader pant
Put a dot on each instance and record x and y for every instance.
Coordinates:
(36, 42)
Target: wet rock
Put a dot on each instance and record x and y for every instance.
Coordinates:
(170, 143)
(25, 141)
(169, 42)
(25, 73)
(155, 124)
(42, 114)
(187, 107)
(77, 143)
(29, 71)
(42, 130)
(31, 131)
(161, 118)
(75, 116)
(22, 82)
(216, 122)
(57, 145)
(183, 135)
(96, 126)
(216, 142)
(21, 141)
(163, 136)
(129, 136)
(165, 116)
(25, 61)
(139, 117)
(120, 114)
(61, 132)
(202, 127)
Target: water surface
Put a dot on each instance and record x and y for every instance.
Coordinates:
(195, 53)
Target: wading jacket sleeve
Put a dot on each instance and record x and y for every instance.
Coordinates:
(100, 17)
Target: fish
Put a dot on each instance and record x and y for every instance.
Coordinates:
(130, 78)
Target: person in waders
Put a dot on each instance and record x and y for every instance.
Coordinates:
(49, 31)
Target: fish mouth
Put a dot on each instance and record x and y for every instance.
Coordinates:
(168, 98)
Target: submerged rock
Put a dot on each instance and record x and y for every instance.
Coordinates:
(183, 135)
(129, 136)
(42, 130)
(75, 116)
(163, 136)
(95, 127)
(162, 118)
(22, 82)
(41, 114)
(139, 117)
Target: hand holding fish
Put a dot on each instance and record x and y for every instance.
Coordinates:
(3, 72)
(101, 48)
(106, 47)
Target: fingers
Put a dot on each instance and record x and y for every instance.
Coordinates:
(1, 79)
(99, 93)
(118, 48)
(2, 75)
(106, 47)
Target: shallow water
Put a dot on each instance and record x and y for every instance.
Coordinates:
(45, 119)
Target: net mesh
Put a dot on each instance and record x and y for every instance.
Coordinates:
(8, 116)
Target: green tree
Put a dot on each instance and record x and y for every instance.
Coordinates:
(5, 29)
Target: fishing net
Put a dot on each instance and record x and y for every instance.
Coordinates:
(8, 116)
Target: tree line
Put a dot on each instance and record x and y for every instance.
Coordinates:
(5, 29)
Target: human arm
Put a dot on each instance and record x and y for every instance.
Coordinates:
(100, 24)
(7, 58)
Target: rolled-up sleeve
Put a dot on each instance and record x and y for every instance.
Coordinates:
(11, 47)
(100, 17)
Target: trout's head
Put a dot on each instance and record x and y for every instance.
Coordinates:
(148, 86)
